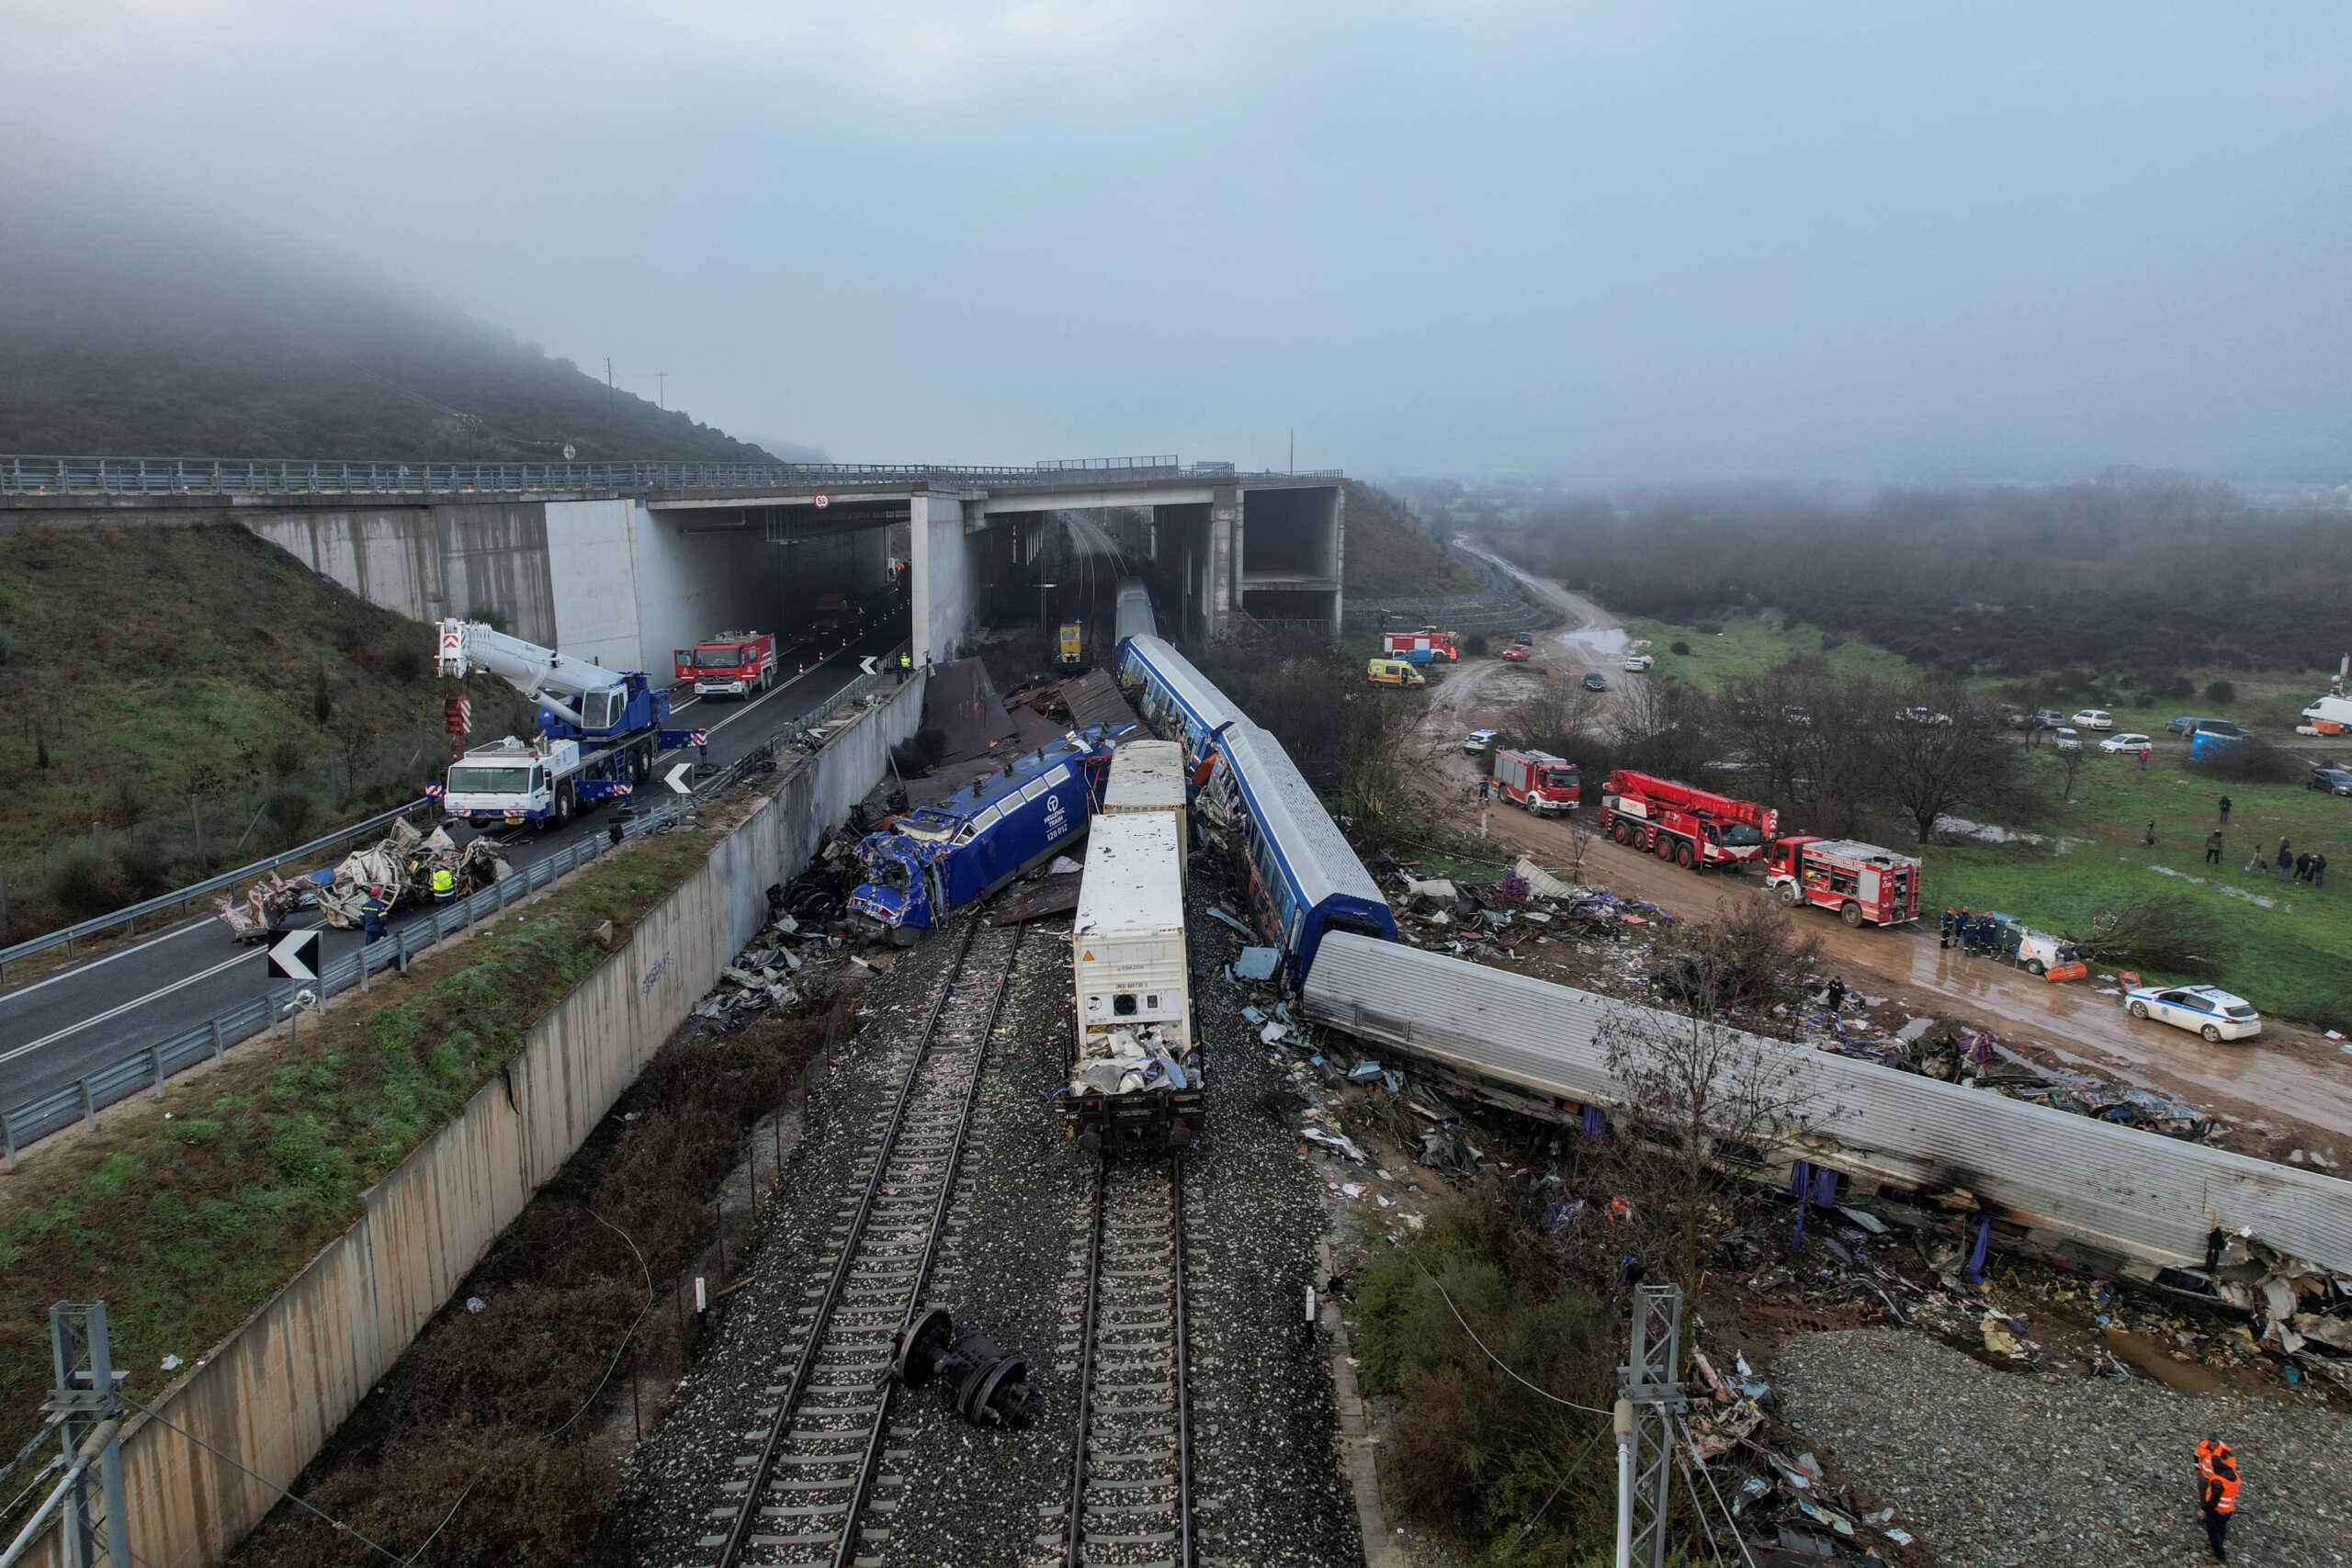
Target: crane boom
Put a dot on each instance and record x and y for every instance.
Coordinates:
(555, 681)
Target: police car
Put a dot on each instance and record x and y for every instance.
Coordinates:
(1479, 739)
(2202, 1009)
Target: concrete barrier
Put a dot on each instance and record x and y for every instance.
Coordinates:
(272, 1392)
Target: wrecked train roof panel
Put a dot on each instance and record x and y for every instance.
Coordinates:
(2149, 1196)
(1134, 879)
(1145, 775)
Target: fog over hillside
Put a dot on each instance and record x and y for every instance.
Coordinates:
(135, 323)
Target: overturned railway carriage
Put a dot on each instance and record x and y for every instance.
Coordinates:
(1135, 1061)
(2111, 1194)
(1173, 698)
(1303, 878)
(944, 855)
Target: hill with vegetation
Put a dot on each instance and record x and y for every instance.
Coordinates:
(126, 329)
(1392, 554)
(187, 699)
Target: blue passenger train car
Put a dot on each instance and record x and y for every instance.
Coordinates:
(1131, 614)
(1303, 878)
(1176, 699)
(944, 855)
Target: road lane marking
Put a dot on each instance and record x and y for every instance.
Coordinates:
(55, 1035)
(83, 966)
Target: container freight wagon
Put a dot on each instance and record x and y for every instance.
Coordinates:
(1136, 1064)
(1694, 828)
(1543, 784)
(944, 855)
(734, 664)
(1864, 884)
(1145, 776)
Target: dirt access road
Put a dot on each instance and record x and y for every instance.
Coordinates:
(2290, 1088)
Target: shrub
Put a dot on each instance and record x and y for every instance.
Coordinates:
(83, 885)
(2221, 692)
(2254, 760)
(1682, 648)
(125, 804)
(288, 758)
(322, 705)
(1474, 645)
(290, 810)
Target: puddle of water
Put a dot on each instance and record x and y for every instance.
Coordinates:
(2145, 1354)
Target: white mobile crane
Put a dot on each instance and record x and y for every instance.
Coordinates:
(599, 731)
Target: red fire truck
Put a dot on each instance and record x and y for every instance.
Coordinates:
(1541, 783)
(1677, 822)
(734, 664)
(1422, 647)
(1862, 882)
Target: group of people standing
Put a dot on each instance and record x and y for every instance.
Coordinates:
(1971, 932)
(2292, 864)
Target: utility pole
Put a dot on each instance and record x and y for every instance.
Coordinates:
(1650, 1397)
(89, 1414)
(609, 401)
(662, 390)
(1293, 451)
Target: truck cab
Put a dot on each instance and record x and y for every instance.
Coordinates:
(1538, 782)
(513, 783)
(727, 664)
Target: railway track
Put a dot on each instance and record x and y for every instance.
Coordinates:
(1131, 1480)
(812, 1484)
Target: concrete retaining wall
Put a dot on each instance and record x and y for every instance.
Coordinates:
(425, 562)
(273, 1391)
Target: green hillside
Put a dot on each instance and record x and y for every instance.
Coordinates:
(166, 679)
(1391, 556)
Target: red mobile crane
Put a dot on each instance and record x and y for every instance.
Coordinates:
(1691, 826)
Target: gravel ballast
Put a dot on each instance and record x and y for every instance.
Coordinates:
(1993, 1468)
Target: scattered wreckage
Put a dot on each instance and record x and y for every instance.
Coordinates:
(396, 869)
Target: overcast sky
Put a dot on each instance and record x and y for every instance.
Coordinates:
(1613, 241)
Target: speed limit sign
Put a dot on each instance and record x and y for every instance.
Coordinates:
(823, 502)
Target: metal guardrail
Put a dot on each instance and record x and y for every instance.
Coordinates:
(154, 1067)
(130, 915)
(273, 476)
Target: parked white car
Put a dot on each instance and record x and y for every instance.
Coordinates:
(2126, 742)
(2093, 718)
(2065, 739)
(1638, 662)
(1479, 739)
(2201, 1010)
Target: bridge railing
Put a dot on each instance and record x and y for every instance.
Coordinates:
(277, 476)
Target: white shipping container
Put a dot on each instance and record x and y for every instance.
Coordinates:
(1128, 951)
(1148, 776)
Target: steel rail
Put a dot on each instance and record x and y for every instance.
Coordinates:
(739, 1534)
(845, 1554)
(1074, 1554)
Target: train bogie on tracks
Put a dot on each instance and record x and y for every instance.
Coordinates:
(1135, 1061)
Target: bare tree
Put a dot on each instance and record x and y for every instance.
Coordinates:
(1705, 1098)
(1935, 753)
(1557, 716)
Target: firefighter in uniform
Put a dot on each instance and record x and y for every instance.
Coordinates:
(2217, 1492)
(372, 916)
(1949, 919)
(445, 885)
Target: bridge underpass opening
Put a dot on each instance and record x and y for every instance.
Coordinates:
(774, 569)
(1036, 571)
(1290, 554)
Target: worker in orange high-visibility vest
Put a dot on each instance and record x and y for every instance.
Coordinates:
(2217, 1492)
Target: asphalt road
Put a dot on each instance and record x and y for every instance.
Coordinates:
(90, 1014)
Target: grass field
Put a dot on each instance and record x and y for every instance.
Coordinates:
(2290, 954)
(1750, 644)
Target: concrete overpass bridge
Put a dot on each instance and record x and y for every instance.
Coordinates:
(623, 562)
